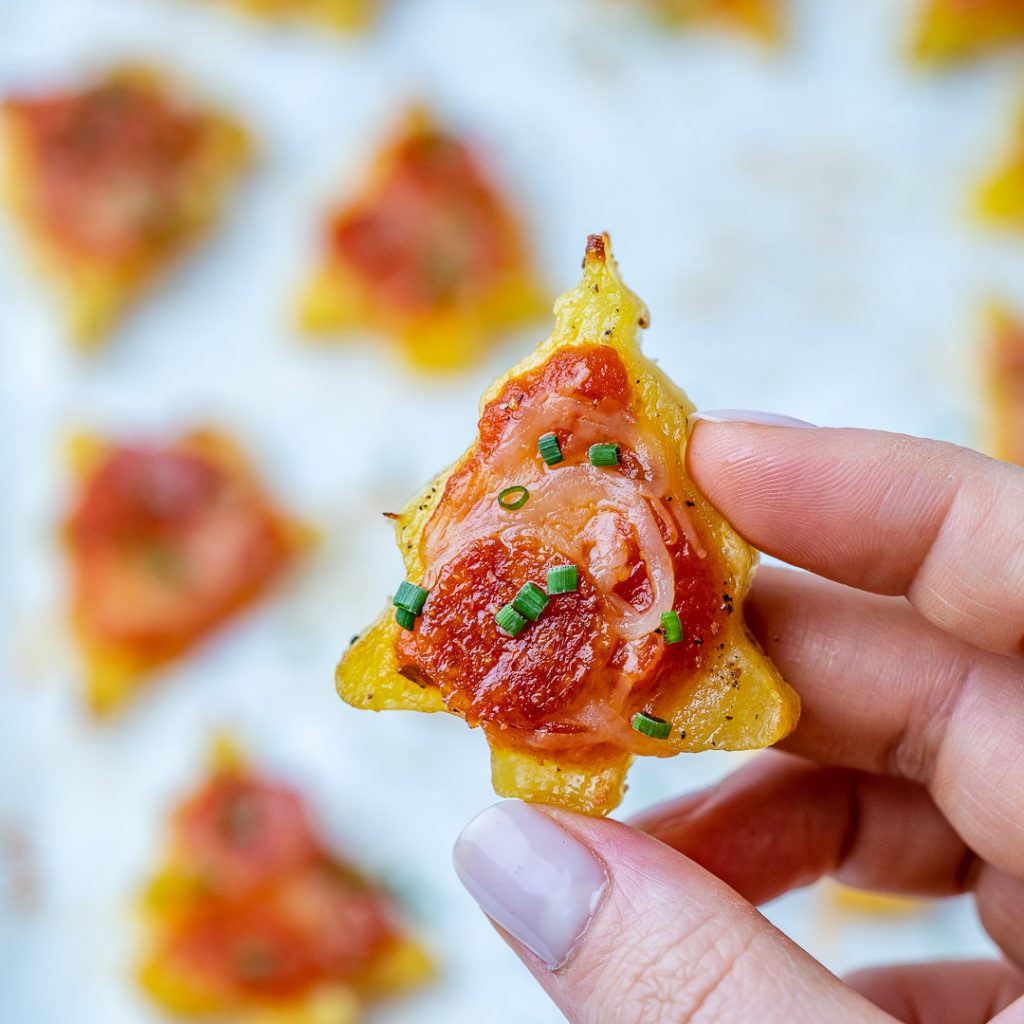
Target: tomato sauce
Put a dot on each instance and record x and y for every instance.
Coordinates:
(109, 167)
(165, 543)
(431, 233)
(541, 681)
(242, 833)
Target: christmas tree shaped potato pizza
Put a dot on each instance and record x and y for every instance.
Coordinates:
(165, 543)
(113, 183)
(428, 253)
(567, 588)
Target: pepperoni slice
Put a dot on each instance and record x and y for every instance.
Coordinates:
(486, 675)
(241, 955)
(240, 833)
(432, 233)
(318, 926)
(344, 923)
(165, 543)
(109, 167)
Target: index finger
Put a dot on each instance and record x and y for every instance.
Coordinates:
(942, 525)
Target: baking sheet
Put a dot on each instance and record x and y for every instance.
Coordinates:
(798, 223)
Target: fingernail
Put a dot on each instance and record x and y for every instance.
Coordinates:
(754, 416)
(530, 877)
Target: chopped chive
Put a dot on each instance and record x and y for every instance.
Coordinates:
(410, 597)
(405, 618)
(513, 498)
(509, 620)
(530, 601)
(563, 579)
(651, 725)
(671, 627)
(549, 448)
(605, 455)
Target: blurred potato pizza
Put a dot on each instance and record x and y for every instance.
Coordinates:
(427, 253)
(253, 918)
(165, 542)
(112, 183)
(951, 31)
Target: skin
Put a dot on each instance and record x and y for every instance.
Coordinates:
(906, 643)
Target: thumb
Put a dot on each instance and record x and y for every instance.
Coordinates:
(619, 929)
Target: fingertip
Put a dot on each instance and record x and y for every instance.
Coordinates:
(765, 479)
(618, 927)
(530, 876)
(751, 417)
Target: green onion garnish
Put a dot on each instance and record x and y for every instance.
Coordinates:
(563, 579)
(604, 455)
(549, 448)
(651, 725)
(405, 618)
(513, 497)
(410, 597)
(509, 620)
(530, 601)
(671, 627)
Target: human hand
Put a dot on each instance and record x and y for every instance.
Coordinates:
(906, 774)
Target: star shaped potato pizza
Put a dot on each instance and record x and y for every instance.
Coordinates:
(568, 589)
(112, 183)
(253, 918)
(427, 253)
(955, 30)
(165, 543)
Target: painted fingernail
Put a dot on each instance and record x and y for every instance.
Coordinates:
(754, 416)
(530, 877)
